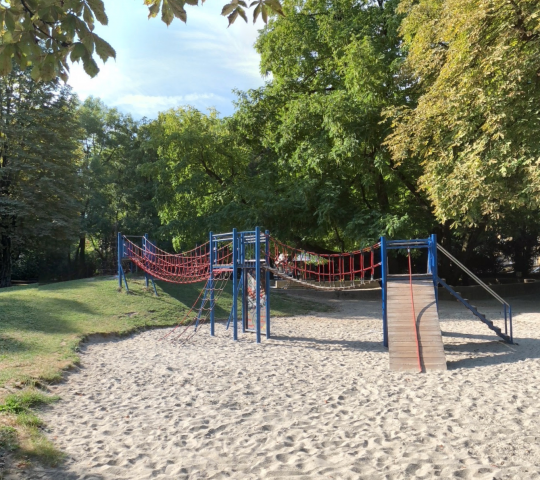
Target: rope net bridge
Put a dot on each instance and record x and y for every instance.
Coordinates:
(250, 259)
(320, 271)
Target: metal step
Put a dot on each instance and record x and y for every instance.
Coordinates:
(475, 312)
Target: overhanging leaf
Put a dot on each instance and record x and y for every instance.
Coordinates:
(275, 5)
(5, 63)
(232, 17)
(104, 49)
(227, 9)
(154, 7)
(77, 52)
(90, 66)
(177, 7)
(98, 8)
(167, 14)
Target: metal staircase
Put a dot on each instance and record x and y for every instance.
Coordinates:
(507, 335)
(475, 311)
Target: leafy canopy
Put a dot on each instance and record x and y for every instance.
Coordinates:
(40, 158)
(47, 34)
(474, 129)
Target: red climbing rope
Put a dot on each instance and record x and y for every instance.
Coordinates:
(414, 314)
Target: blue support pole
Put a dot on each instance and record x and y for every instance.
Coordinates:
(145, 258)
(384, 286)
(267, 283)
(121, 273)
(510, 318)
(258, 283)
(433, 268)
(119, 254)
(235, 284)
(211, 286)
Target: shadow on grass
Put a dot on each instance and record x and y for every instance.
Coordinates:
(190, 293)
(9, 345)
(48, 315)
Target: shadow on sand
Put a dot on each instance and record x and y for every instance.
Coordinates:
(490, 351)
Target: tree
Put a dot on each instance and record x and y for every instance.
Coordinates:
(202, 173)
(43, 34)
(475, 66)
(39, 162)
(319, 124)
(115, 195)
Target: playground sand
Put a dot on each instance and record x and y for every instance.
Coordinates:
(316, 401)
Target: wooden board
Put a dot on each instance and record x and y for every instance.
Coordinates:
(404, 328)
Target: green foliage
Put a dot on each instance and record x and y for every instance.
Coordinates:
(474, 126)
(303, 155)
(116, 196)
(39, 163)
(42, 35)
(201, 168)
(317, 127)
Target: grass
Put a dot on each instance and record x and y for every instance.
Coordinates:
(41, 328)
(20, 428)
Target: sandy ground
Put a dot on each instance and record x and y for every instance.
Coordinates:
(316, 401)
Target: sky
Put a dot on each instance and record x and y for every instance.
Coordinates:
(159, 67)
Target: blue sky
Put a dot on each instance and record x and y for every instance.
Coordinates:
(157, 68)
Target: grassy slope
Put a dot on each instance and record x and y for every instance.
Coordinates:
(41, 327)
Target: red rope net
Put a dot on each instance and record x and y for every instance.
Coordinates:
(187, 267)
(322, 267)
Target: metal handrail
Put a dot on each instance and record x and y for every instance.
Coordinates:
(472, 275)
(507, 306)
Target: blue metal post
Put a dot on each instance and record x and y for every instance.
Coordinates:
(235, 284)
(384, 285)
(267, 283)
(434, 269)
(211, 286)
(119, 254)
(258, 283)
(145, 258)
(510, 318)
(505, 320)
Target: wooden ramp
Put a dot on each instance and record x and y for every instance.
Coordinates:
(401, 335)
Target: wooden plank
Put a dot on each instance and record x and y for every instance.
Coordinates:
(425, 332)
(423, 348)
(414, 361)
(424, 356)
(399, 365)
(401, 330)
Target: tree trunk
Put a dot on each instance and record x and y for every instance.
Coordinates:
(5, 261)
(82, 255)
